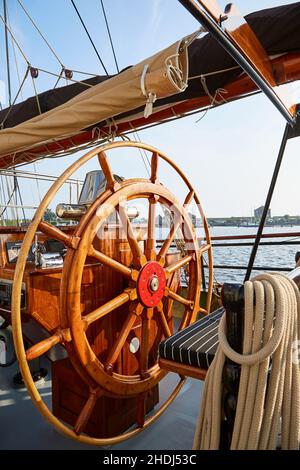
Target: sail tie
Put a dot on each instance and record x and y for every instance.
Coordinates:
(151, 96)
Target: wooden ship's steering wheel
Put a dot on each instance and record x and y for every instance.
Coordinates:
(146, 292)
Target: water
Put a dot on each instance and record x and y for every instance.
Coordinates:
(273, 256)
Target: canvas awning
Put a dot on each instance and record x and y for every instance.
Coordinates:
(157, 77)
(73, 117)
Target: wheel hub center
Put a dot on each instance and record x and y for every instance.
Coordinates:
(151, 284)
(154, 284)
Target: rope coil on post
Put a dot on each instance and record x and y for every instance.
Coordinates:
(268, 401)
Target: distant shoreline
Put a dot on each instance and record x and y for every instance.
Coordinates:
(252, 226)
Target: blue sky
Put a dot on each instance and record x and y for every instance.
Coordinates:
(229, 155)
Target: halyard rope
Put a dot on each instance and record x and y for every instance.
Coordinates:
(269, 391)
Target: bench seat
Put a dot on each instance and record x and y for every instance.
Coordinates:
(191, 350)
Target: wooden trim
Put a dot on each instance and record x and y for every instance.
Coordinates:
(53, 231)
(183, 369)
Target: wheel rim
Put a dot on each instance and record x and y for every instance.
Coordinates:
(16, 297)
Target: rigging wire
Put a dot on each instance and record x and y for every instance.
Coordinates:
(89, 36)
(7, 52)
(14, 39)
(14, 202)
(2, 216)
(15, 59)
(36, 95)
(109, 35)
(37, 182)
(15, 192)
(18, 191)
(85, 73)
(143, 153)
(215, 72)
(16, 188)
(58, 79)
(2, 199)
(10, 194)
(40, 33)
(15, 42)
(59, 75)
(15, 99)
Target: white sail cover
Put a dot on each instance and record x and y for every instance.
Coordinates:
(162, 75)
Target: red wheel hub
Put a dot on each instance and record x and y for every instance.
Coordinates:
(151, 284)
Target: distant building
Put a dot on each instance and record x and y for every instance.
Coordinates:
(259, 212)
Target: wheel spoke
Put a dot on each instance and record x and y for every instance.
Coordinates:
(110, 262)
(204, 248)
(105, 166)
(54, 232)
(179, 264)
(144, 352)
(120, 342)
(173, 295)
(151, 240)
(86, 411)
(154, 168)
(169, 240)
(109, 306)
(43, 346)
(138, 256)
(185, 319)
(163, 321)
(175, 226)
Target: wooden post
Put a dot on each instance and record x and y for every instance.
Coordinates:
(233, 301)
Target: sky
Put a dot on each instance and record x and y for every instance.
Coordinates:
(228, 156)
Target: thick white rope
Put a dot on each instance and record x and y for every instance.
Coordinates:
(268, 401)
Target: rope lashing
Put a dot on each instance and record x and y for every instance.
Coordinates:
(188, 41)
(151, 96)
(215, 72)
(268, 401)
(213, 98)
(174, 74)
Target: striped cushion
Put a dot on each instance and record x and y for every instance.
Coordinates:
(195, 345)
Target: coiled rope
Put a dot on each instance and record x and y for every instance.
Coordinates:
(268, 401)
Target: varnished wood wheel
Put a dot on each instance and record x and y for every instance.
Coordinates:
(145, 296)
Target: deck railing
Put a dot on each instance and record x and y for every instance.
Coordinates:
(223, 241)
(233, 241)
(10, 194)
